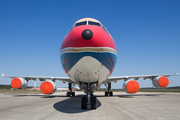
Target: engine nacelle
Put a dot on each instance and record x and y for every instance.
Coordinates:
(131, 86)
(48, 87)
(17, 83)
(160, 81)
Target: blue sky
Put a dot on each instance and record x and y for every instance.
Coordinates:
(146, 33)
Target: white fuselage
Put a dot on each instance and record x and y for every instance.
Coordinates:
(89, 70)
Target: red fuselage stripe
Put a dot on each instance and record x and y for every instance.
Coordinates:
(100, 38)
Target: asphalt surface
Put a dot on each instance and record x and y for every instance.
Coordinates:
(121, 106)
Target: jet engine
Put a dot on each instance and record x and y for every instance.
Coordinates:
(131, 86)
(17, 83)
(160, 81)
(48, 87)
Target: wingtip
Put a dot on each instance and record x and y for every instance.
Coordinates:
(2, 74)
(176, 73)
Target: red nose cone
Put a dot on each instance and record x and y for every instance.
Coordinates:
(87, 34)
(16, 83)
(46, 87)
(132, 86)
(163, 81)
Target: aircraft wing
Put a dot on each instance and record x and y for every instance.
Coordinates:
(42, 78)
(135, 77)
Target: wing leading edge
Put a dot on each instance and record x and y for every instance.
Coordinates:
(43, 78)
(135, 77)
(109, 80)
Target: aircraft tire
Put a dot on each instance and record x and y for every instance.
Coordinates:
(84, 103)
(106, 93)
(111, 93)
(93, 103)
(68, 94)
(73, 93)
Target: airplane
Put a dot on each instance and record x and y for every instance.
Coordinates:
(88, 55)
(66, 89)
(62, 89)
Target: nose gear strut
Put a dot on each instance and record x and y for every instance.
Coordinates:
(108, 92)
(70, 90)
(89, 99)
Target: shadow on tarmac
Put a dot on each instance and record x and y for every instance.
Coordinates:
(42, 96)
(130, 95)
(133, 95)
(53, 96)
(73, 105)
(70, 105)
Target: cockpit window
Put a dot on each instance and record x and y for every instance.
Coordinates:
(70, 29)
(93, 23)
(105, 29)
(81, 23)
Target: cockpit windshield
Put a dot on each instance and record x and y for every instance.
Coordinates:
(81, 23)
(88, 22)
(93, 23)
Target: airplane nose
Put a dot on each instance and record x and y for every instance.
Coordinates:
(87, 34)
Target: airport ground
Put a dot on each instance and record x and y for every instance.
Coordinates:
(121, 106)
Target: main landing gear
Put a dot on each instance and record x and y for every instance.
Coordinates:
(70, 90)
(89, 99)
(108, 92)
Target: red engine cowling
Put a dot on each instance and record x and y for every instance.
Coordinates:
(17, 83)
(160, 81)
(131, 86)
(48, 87)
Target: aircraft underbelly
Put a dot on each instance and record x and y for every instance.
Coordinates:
(88, 69)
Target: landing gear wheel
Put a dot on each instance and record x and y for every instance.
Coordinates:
(106, 93)
(84, 103)
(73, 93)
(93, 103)
(111, 93)
(68, 94)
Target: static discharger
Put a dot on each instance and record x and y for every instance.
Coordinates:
(132, 86)
(16, 83)
(46, 87)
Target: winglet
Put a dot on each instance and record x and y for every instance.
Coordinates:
(176, 73)
(2, 74)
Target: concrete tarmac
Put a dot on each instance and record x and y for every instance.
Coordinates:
(121, 106)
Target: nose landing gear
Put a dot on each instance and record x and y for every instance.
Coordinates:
(89, 99)
(108, 92)
(70, 90)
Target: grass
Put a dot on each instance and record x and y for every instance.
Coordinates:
(160, 90)
(6, 89)
(19, 91)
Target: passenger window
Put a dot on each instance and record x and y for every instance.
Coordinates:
(93, 23)
(81, 23)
